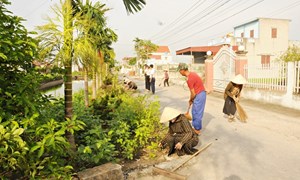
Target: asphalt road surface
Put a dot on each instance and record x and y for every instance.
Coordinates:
(267, 147)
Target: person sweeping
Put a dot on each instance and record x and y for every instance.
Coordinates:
(232, 96)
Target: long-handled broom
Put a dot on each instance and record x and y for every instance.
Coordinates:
(187, 114)
(242, 113)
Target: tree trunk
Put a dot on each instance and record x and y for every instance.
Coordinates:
(68, 38)
(86, 87)
(94, 85)
(101, 68)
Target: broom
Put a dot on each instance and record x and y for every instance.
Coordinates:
(187, 114)
(162, 81)
(242, 113)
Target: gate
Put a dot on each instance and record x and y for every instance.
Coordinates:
(223, 68)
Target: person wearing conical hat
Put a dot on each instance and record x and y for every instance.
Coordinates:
(197, 95)
(232, 95)
(180, 137)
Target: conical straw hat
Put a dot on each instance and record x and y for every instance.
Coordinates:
(169, 114)
(239, 79)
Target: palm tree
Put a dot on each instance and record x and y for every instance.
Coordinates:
(134, 5)
(59, 41)
(72, 7)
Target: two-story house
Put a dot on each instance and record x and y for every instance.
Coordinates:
(161, 56)
(264, 39)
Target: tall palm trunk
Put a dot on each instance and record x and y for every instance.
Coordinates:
(86, 87)
(68, 37)
(101, 64)
(94, 87)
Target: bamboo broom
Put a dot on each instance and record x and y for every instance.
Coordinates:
(187, 114)
(242, 113)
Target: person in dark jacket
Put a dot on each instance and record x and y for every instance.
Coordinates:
(232, 95)
(129, 84)
(181, 138)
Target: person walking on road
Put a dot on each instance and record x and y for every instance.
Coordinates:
(166, 78)
(197, 95)
(180, 137)
(152, 78)
(232, 96)
(147, 77)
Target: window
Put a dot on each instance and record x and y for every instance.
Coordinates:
(274, 32)
(252, 33)
(265, 61)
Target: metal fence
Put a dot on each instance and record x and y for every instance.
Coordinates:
(270, 77)
(296, 88)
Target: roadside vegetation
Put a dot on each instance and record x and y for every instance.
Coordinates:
(46, 138)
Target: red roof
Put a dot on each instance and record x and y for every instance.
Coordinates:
(163, 49)
(213, 49)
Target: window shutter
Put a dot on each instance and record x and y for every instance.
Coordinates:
(274, 32)
(252, 33)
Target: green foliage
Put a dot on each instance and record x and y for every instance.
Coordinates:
(134, 124)
(131, 121)
(33, 130)
(134, 5)
(132, 61)
(36, 148)
(118, 125)
(19, 82)
(144, 48)
(12, 147)
(292, 54)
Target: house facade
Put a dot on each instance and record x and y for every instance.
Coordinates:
(264, 39)
(162, 54)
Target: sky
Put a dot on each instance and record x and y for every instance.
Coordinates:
(175, 23)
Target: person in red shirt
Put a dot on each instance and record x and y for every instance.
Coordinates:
(197, 95)
(166, 78)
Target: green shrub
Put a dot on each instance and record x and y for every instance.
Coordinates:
(32, 148)
(118, 126)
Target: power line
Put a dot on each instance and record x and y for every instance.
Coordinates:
(175, 28)
(280, 11)
(31, 12)
(178, 19)
(195, 19)
(222, 13)
(218, 22)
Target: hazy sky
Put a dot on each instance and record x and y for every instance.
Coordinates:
(174, 23)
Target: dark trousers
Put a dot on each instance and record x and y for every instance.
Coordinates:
(147, 82)
(166, 82)
(152, 85)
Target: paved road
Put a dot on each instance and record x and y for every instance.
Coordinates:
(267, 147)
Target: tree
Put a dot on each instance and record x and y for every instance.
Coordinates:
(70, 10)
(102, 38)
(57, 41)
(291, 54)
(134, 5)
(19, 95)
(143, 49)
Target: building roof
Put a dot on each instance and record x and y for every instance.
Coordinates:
(213, 49)
(162, 49)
